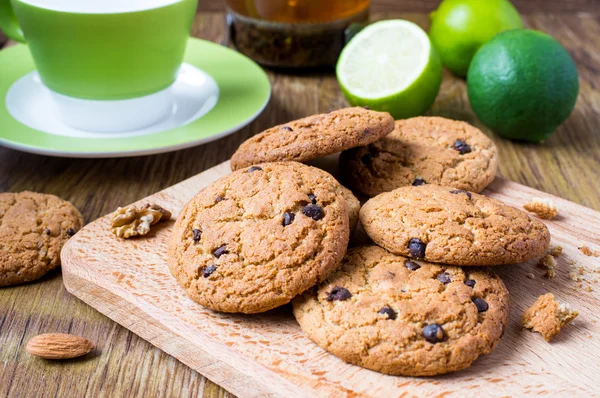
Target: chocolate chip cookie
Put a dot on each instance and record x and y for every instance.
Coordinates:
(422, 150)
(314, 136)
(256, 238)
(406, 317)
(452, 226)
(353, 205)
(33, 229)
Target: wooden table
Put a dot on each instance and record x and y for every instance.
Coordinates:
(567, 165)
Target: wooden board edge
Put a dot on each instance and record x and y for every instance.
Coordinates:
(243, 380)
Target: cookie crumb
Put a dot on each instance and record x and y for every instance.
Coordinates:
(132, 221)
(588, 289)
(555, 251)
(530, 275)
(547, 316)
(574, 277)
(542, 207)
(586, 250)
(549, 263)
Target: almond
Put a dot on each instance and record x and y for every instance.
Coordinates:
(58, 346)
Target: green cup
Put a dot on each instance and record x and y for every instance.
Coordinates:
(103, 50)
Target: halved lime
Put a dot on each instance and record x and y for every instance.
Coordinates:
(390, 66)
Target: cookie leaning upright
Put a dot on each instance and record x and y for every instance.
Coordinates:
(403, 317)
(421, 150)
(256, 238)
(33, 229)
(314, 136)
(450, 226)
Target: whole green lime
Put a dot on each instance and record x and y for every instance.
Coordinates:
(460, 27)
(523, 84)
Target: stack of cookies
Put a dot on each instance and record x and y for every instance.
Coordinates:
(411, 302)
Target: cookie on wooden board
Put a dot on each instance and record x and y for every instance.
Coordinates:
(406, 317)
(314, 136)
(256, 238)
(450, 226)
(422, 150)
(33, 229)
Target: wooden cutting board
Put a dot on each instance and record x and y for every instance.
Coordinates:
(267, 354)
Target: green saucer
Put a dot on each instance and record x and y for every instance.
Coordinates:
(240, 91)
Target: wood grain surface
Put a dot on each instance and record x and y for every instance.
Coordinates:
(567, 165)
(268, 355)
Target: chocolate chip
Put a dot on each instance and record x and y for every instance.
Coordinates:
(366, 132)
(444, 277)
(481, 304)
(288, 218)
(419, 181)
(47, 231)
(313, 211)
(412, 265)
(391, 314)
(462, 147)
(313, 198)
(457, 191)
(416, 248)
(287, 128)
(196, 235)
(219, 251)
(219, 199)
(70, 231)
(209, 270)
(253, 168)
(366, 158)
(338, 293)
(433, 333)
(470, 282)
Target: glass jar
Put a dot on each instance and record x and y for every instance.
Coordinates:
(293, 33)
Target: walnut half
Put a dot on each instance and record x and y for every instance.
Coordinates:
(132, 221)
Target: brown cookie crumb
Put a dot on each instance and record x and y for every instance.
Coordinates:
(574, 277)
(547, 316)
(132, 221)
(549, 263)
(555, 251)
(542, 207)
(588, 252)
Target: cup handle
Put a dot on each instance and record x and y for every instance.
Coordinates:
(8, 22)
